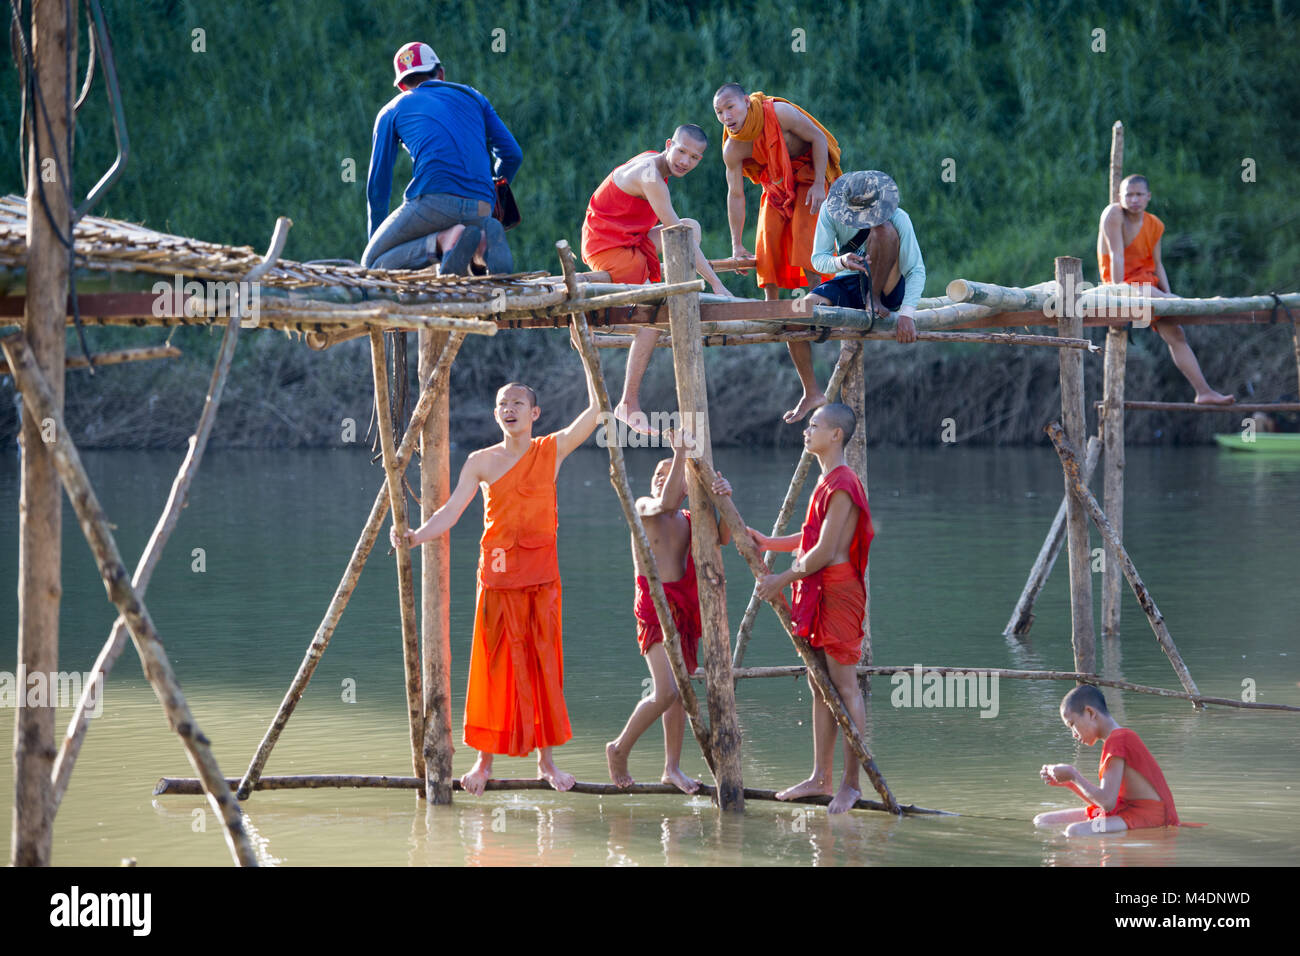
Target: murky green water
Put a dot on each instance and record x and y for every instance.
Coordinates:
(1216, 537)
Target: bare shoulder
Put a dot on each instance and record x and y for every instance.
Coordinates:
(1113, 213)
(734, 151)
(633, 176)
(787, 113)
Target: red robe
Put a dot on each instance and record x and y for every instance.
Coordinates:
(515, 700)
(829, 604)
(616, 233)
(1128, 746)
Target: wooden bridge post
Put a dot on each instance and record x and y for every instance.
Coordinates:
(854, 395)
(1112, 413)
(435, 584)
(1069, 275)
(693, 404)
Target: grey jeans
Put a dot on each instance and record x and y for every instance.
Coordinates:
(400, 242)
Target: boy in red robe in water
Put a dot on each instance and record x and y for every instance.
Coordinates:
(830, 599)
(1133, 793)
(669, 531)
(621, 236)
(515, 700)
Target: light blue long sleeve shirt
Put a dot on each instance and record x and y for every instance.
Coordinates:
(831, 235)
(447, 128)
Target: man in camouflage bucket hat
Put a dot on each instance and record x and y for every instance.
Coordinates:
(861, 215)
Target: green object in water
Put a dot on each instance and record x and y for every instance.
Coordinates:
(1267, 442)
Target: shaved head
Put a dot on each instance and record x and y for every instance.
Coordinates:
(730, 89)
(1136, 180)
(839, 415)
(1085, 695)
(532, 396)
(692, 132)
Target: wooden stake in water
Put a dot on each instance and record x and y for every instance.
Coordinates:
(1112, 428)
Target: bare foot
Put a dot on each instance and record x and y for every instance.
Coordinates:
(630, 412)
(1215, 398)
(812, 787)
(475, 781)
(679, 780)
(617, 766)
(844, 799)
(806, 405)
(557, 778)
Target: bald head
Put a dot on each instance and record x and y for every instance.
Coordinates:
(839, 415)
(1085, 695)
(728, 90)
(1135, 180)
(693, 133)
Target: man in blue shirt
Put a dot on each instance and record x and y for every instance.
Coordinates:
(448, 129)
(868, 242)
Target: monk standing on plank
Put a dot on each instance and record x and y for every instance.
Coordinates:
(515, 700)
(780, 146)
(621, 236)
(830, 599)
(1128, 245)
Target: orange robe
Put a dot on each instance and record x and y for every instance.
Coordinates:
(1136, 814)
(829, 604)
(515, 700)
(784, 244)
(616, 233)
(1139, 255)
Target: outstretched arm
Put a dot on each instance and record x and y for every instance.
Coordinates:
(838, 515)
(674, 489)
(442, 520)
(580, 428)
(656, 194)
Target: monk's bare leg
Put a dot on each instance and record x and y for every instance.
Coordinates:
(1054, 818)
(1106, 823)
(1185, 359)
(638, 358)
(801, 354)
(819, 783)
(647, 711)
(845, 679)
(674, 730)
(546, 770)
(882, 258)
(476, 780)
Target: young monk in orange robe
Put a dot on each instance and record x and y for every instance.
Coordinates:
(621, 235)
(1128, 245)
(515, 700)
(830, 599)
(781, 147)
(1132, 794)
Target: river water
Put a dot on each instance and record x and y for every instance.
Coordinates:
(1215, 535)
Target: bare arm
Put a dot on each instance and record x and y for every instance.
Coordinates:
(819, 555)
(1105, 796)
(784, 543)
(580, 428)
(1112, 229)
(674, 489)
(1163, 283)
(442, 520)
(798, 123)
(735, 199)
(656, 194)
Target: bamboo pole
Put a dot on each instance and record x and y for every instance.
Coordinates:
(1022, 618)
(432, 388)
(1003, 298)
(1192, 407)
(855, 456)
(40, 400)
(1112, 425)
(166, 524)
(405, 581)
(1069, 274)
(115, 357)
(799, 670)
(820, 678)
(40, 504)
(715, 640)
(640, 541)
(1070, 463)
(721, 336)
(1106, 300)
(183, 786)
(786, 511)
(435, 584)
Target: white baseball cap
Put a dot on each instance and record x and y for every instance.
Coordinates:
(414, 58)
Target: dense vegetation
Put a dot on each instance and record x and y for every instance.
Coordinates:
(1017, 97)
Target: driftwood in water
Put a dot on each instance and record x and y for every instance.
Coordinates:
(1070, 463)
(188, 786)
(821, 679)
(40, 401)
(432, 389)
